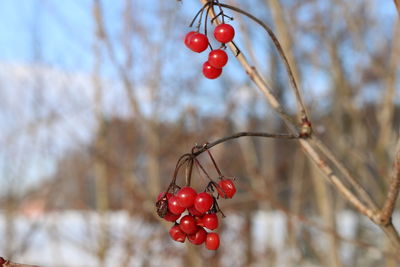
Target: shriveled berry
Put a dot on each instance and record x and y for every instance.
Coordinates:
(203, 202)
(226, 188)
(198, 237)
(217, 58)
(186, 196)
(210, 72)
(212, 241)
(176, 233)
(168, 195)
(224, 33)
(174, 207)
(210, 221)
(188, 224)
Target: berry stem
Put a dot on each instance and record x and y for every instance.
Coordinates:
(215, 164)
(200, 12)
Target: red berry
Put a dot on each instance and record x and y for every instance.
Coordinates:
(188, 37)
(199, 237)
(170, 217)
(224, 33)
(217, 58)
(197, 42)
(212, 241)
(210, 72)
(203, 202)
(226, 188)
(176, 233)
(194, 212)
(210, 221)
(186, 196)
(174, 207)
(188, 224)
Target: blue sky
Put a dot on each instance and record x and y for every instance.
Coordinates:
(58, 36)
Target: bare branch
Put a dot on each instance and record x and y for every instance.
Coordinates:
(397, 4)
(393, 192)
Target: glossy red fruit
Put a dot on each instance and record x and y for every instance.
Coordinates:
(186, 196)
(197, 42)
(176, 233)
(217, 58)
(210, 221)
(188, 224)
(174, 207)
(224, 33)
(212, 241)
(226, 188)
(192, 210)
(203, 202)
(170, 217)
(210, 72)
(188, 37)
(199, 237)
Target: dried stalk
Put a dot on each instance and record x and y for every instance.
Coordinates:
(368, 211)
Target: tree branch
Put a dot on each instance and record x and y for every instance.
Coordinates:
(5, 263)
(205, 147)
(393, 192)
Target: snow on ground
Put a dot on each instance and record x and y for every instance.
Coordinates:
(71, 238)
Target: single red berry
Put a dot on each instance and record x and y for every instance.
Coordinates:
(198, 237)
(203, 202)
(210, 221)
(174, 207)
(186, 196)
(226, 188)
(210, 72)
(168, 195)
(176, 233)
(212, 241)
(188, 37)
(224, 33)
(170, 217)
(192, 210)
(217, 58)
(198, 42)
(188, 224)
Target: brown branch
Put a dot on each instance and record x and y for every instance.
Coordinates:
(6, 263)
(300, 104)
(389, 229)
(203, 148)
(386, 213)
(397, 4)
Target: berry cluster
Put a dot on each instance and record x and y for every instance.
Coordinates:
(217, 58)
(194, 214)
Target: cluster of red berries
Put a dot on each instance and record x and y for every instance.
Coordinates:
(201, 213)
(217, 58)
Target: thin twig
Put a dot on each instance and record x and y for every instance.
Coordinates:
(350, 178)
(203, 148)
(296, 89)
(389, 230)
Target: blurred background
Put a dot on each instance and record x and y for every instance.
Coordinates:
(99, 99)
